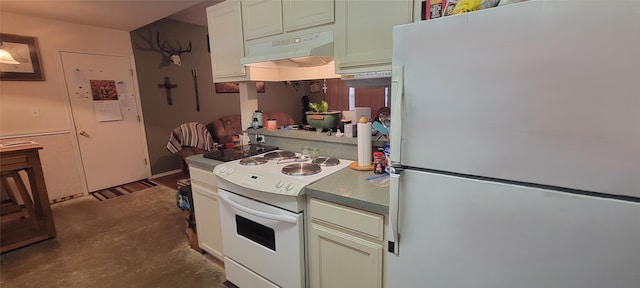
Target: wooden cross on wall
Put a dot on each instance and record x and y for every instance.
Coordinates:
(168, 86)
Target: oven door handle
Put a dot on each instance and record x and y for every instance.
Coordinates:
(265, 215)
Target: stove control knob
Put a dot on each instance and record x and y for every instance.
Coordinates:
(223, 169)
(279, 184)
(230, 171)
(290, 186)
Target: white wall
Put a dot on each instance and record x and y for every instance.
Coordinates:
(54, 127)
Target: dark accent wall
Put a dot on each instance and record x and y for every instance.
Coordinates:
(160, 118)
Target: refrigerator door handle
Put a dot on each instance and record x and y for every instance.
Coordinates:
(394, 186)
(395, 134)
(396, 159)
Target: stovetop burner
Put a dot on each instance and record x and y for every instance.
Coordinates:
(253, 161)
(326, 161)
(301, 169)
(279, 155)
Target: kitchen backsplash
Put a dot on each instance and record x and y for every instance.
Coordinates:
(294, 140)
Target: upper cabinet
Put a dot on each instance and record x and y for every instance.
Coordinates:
(226, 41)
(263, 18)
(363, 33)
(227, 46)
(305, 14)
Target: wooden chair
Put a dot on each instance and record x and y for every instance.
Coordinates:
(13, 188)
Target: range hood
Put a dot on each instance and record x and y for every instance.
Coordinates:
(310, 56)
(305, 57)
(367, 79)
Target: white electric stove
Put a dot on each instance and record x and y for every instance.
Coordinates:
(265, 180)
(262, 216)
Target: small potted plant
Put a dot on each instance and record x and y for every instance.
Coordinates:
(321, 118)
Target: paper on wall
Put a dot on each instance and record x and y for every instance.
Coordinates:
(107, 111)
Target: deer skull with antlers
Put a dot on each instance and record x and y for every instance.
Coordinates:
(174, 54)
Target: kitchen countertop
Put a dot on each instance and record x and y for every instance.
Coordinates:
(202, 163)
(346, 187)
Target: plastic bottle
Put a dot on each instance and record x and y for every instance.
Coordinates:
(386, 149)
(257, 115)
(378, 162)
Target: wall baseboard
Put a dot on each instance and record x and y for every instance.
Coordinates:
(58, 200)
(165, 173)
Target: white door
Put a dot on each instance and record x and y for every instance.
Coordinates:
(571, 125)
(109, 130)
(462, 232)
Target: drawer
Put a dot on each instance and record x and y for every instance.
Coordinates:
(203, 176)
(351, 219)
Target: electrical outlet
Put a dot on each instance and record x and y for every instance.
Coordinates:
(260, 139)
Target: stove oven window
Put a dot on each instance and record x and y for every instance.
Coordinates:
(256, 232)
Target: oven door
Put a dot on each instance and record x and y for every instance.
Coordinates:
(261, 239)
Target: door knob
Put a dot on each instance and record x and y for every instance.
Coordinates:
(84, 133)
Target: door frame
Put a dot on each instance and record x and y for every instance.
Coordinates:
(72, 123)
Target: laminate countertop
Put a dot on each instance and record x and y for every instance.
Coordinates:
(346, 187)
(202, 163)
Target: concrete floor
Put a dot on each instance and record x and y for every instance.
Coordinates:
(135, 240)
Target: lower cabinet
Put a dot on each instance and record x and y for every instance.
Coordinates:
(345, 246)
(205, 202)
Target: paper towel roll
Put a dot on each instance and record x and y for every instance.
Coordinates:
(364, 144)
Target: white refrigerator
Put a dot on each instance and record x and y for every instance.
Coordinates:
(515, 143)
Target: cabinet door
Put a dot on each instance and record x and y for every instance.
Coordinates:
(225, 39)
(205, 202)
(261, 18)
(355, 49)
(338, 259)
(305, 14)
